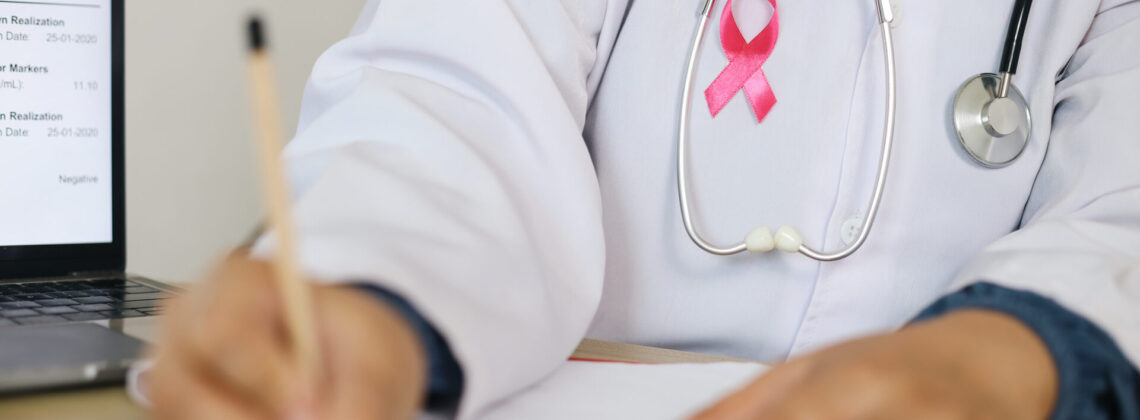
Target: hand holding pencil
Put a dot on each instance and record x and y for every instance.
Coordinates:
(225, 354)
(256, 341)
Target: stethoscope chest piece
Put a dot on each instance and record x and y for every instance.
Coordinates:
(992, 129)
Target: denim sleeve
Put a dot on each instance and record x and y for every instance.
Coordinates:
(445, 377)
(1096, 380)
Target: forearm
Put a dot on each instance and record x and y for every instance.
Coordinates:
(456, 176)
(1093, 379)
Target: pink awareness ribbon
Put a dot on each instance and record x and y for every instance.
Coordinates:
(744, 62)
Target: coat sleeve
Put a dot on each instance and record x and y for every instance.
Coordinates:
(1080, 238)
(440, 155)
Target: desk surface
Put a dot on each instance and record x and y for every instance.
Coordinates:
(111, 403)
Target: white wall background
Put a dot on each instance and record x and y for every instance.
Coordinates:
(191, 180)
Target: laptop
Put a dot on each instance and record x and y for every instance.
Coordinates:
(69, 314)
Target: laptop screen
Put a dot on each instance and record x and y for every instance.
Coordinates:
(56, 122)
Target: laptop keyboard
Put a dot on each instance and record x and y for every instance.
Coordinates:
(77, 300)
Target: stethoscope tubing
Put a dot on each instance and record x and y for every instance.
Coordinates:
(1015, 34)
(683, 146)
(885, 19)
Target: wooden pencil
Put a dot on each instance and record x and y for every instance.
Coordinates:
(296, 299)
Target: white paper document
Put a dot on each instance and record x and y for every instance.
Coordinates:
(600, 391)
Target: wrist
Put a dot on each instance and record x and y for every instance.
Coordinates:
(392, 346)
(1001, 356)
(445, 376)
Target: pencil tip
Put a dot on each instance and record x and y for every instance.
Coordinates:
(257, 39)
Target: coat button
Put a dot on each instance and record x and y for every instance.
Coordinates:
(896, 8)
(849, 232)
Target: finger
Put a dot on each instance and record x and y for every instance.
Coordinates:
(363, 397)
(238, 294)
(238, 283)
(230, 330)
(241, 335)
(259, 368)
(859, 389)
(805, 403)
(179, 392)
(758, 396)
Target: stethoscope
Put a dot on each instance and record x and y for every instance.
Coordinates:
(990, 116)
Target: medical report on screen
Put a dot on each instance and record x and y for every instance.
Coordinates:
(55, 122)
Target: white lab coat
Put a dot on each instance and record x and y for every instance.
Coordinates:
(508, 166)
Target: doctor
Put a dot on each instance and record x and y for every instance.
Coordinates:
(480, 185)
